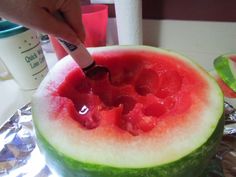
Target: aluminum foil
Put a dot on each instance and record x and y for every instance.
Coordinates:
(20, 156)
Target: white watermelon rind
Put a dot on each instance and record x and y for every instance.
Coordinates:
(197, 157)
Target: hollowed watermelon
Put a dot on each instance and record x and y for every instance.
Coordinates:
(161, 115)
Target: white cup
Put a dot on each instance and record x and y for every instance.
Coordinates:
(22, 55)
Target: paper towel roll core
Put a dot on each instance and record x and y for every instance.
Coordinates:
(129, 22)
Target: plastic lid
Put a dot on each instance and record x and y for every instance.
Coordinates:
(9, 29)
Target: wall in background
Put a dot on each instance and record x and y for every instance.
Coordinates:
(201, 10)
(200, 29)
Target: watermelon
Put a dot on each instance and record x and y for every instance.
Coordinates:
(225, 75)
(225, 66)
(229, 94)
(160, 115)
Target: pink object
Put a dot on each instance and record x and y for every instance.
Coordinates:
(95, 19)
(59, 50)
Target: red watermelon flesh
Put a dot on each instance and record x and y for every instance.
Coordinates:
(139, 93)
(233, 57)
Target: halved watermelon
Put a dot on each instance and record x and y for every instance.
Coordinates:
(161, 115)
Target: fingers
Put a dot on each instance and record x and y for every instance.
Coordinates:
(72, 13)
(45, 22)
(39, 14)
(57, 27)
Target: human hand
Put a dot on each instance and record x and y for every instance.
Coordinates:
(40, 15)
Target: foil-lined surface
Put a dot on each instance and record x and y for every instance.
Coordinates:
(20, 156)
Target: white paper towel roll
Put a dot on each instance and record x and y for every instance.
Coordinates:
(129, 21)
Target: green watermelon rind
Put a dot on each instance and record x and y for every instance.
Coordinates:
(224, 68)
(191, 165)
